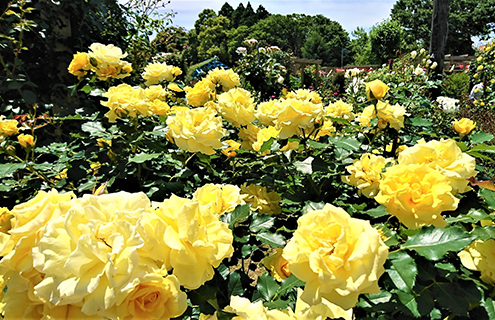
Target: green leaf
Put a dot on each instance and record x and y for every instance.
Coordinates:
(433, 243)
(240, 214)
(304, 166)
(316, 145)
(94, 128)
(274, 240)
(421, 122)
(346, 143)
(142, 157)
(267, 286)
(8, 169)
(28, 96)
(261, 222)
(319, 165)
(234, 287)
(266, 145)
(489, 305)
(483, 147)
(376, 212)
(289, 283)
(472, 216)
(461, 146)
(447, 294)
(480, 137)
(312, 206)
(409, 300)
(403, 271)
(484, 233)
(489, 197)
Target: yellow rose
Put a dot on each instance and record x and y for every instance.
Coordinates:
(365, 117)
(157, 72)
(154, 297)
(220, 198)
(245, 309)
(160, 108)
(392, 115)
(196, 130)
(340, 110)
(338, 257)
(267, 112)
(26, 140)
(297, 116)
(230, 151)
(156, 92)
(365, 174)
(198, 241)
(228, 79)
(124, 100)
(327, 129)
(174, 87)
(278, 266)
(480, 67)
(261, 200)
(464, 126)
(445, 157)
(480, 256)
(376, 89)
(263, 136)
(106, 54)
(106, 72)
(305, 95)
(8, 127)
(79, 64)
(237, 107)
(417, 195)
(202, 92)
(322, 311)
(249, 136)
(291, 145)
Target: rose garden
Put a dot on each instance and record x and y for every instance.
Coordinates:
(136, 190)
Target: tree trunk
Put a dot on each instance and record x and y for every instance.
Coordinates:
(439, 30)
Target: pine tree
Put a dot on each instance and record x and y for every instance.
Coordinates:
(226, 10)
(261, 13)
(237, 16)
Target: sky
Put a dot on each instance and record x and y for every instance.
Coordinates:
(349, 13)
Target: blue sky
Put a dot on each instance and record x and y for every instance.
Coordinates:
(349, 13)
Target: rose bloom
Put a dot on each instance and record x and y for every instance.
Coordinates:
(79, 64)
(267, 112)
(263, 136)
(220, 198)
(159, 107)
(245, 309)
(106, 54)
(157, 72)
(417, 195)
(249, 136)
(464, 126)
(198, 241)
(261, 200)
(237, 107)
(278, 266)
(202, 92)
(124, 100)
(228, 79)
(365, 174)
(8, 127)
(26, 140)
(305, 95)
(230, 151)
(156, 92)
(376, 89)
(321, 311)
(297, 116)
(339, 109)
(480, 256)
(445, 157)
(338, 257)
(386, 113)
(196, 130)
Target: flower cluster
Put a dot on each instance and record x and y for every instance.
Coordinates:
(156, 72)
(107, 257)
(105, 61)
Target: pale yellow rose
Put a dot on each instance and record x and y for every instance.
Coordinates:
(464, 126)
(365, 174)
(220, 198)
(320, 311)
(376, 89)
(228, 79)
(261, 200)
(124, 100)
(417, 195)
(26, 140)
(152, 297)
(245, 309)
(237, 107)
(445, 157)
(249, 136)
(79, 64)
(297, 117)
(292, 145)
(157, 72)
(202, 92)
(365, 117)
(263, 136)
(18, 301)
(160, 108)
(174, 87)
(106, 54)
(480, 256)
(339, 109)
(203, 316)
(278, 266)
(304, 94)
(156, 92)
(267, 112)
(327, 129)
(196, 130)
(106, 72)
(233, 146)
(198, 241)
(392, 115)
(8, 127)
(338, 257)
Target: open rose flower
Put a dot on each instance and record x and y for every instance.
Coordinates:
(480, 256)
(338, 257)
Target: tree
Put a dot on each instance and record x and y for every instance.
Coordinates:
(237, 16)
(467, 19)
(315, 47)
(249, 17)
(172, 39)
(203, 16)
(261, 13)
(386, 40)
(359, 51)
(212, 39)
(226, 10)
